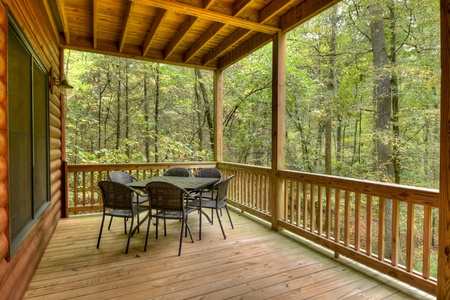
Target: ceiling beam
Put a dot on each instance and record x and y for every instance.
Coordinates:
(303, 12)
(95, 23)
(155, 26)
(268, 11)
(62, 13)
(111, 48)
(202, 13)
(240, 5)
(249, 46)
(229, 41)
(181, 33)
(126, 26)
(203, 40)
(272, 9)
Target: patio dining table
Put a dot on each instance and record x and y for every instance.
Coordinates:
(191, 184)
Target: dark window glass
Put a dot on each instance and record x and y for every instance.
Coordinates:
(28, 137)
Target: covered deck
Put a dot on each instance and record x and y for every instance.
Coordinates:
(254, 262)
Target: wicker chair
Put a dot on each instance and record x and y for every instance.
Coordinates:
(124, 178)
(218, 201)
(118, 202)
(167, 202)
(181, 172)
(208, 192)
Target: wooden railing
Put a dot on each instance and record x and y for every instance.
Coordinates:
(82, 193)
(348, 216)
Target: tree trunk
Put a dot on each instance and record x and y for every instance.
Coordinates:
(207, 107)
(383, 102)
(156, 111)
(199, 110)
(119, 109)
(127, 112)
(146, 119)
(331, 92)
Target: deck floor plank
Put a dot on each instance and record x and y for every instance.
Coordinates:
(254, 262)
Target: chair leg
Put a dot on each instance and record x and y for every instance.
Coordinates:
(101, 229)
(129, 235)
(181, 238)
(148, 229)
(165, 229)
(229, 217)
(137, 221)
(188, 228)
(110, 222)
(220, 223)
(157, 223)
(125, 224)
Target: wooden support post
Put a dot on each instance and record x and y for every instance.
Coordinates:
(218, 115)
(64, 178)
(278, 125)
(443, 280)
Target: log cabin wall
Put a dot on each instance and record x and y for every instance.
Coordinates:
(16, 272)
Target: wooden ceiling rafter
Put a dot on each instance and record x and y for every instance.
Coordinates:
(62, 13)
(126, 26)
(209, 34)
(181, 33)
(296, 16)
(206, 14)
(273, 7)
(153, 30)
(240, 5)
(94, 23)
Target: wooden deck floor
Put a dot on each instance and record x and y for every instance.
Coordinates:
(254, 262)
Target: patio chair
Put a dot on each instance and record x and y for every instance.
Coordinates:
(118, 202)
(181, 172)
(124, 178)
(218, 201)
(207, 193)
(167, 202)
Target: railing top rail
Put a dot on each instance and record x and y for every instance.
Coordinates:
(417, 195)
(137, 166)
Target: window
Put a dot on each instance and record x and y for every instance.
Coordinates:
(28, 136)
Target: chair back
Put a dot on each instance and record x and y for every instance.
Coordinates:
(180, 172)
(165, 196)
(222, 189)
(209, 172)
(116, 195)
(121, 177)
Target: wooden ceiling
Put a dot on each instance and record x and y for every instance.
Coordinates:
(207, 34)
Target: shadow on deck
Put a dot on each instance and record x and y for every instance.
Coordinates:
(254, 262)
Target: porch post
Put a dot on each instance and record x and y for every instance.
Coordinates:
(218, 115)
(278, 124)
(62, 108)
(443, 280)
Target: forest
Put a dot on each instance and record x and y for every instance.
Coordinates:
(363, 100)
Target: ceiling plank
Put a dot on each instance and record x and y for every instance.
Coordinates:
(62, 13)
(249, 46)
(155, 26)
(126, 26)
(203, 40)
(202, 13)
(95, 23)
(272, 9)
(187, 25)
(303, 12)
